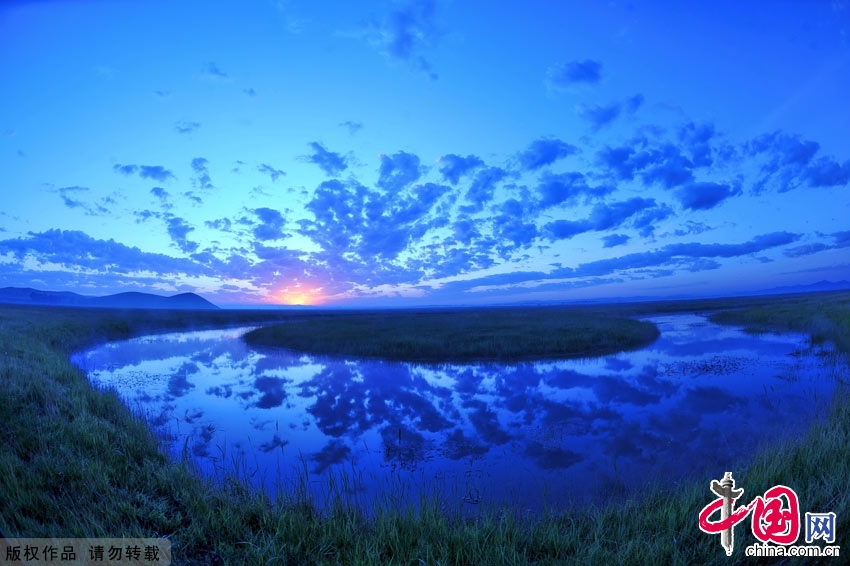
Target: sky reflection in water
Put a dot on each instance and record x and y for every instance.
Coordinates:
(694, 402)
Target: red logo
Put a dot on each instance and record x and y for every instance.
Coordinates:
(775, 517)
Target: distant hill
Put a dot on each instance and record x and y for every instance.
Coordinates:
(132, 300)
(819, 286)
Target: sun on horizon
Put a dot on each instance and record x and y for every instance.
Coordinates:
(297, 295)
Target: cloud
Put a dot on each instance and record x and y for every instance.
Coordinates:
(482, 188)
(826, 172)
(555, 189)
(614, 240)
(162, 195)
(842, 239)
(696, 139)
(787, 149)
(602, 217)
(453, 167)
(270, 171)
(271, 224)
(691, 227)
(509, 224)
(201, 169)
(633, 103)
(361, 230)
(790, 162)
(806, 249)
(331, 163)
(564, 75)
(673, 254)
(703, 196)
(193, 197)
(670, 168)
(353, 127)
(186, 127)
(544, 152)
(75, 203)
(223, 224)
(73, 249)
(69, 202)
(600, 115)
(565, 229)
(406, 33)
(212, 70)
(623, 162)
(155, 172)
(398, 171)
(178, 230)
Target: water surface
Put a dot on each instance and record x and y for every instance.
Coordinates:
(696, 402)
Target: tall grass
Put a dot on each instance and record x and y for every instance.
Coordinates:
(460, 335)
(74, 461)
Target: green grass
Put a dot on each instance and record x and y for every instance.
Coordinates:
(74, 461)
(460, 335)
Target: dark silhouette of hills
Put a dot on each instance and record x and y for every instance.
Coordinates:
(130, 300)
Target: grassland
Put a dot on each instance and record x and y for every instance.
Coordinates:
(74, 461)
(460, 335)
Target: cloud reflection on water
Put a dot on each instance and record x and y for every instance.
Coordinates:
(695, 400)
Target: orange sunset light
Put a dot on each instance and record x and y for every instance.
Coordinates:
(298, 296)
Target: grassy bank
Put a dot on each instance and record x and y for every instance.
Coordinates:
(461, 335)
(75, 462)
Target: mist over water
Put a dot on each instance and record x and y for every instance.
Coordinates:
(697, 402)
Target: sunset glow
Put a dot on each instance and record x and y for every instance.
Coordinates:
(298, 296)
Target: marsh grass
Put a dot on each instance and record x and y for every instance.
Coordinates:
(75, 461)
(460, 335)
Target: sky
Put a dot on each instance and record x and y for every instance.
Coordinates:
(426, 152)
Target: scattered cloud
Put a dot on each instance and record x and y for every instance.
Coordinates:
(563, 75)
(544, 152)
(186, 127)
(154, 172)
(407, 32)
(202, 173)
(600, 115)
(213, 71)
(353, 127)
(566, 188)
(806, 249)
(482, 188)
(826, 172)
(614, 240)
(69, 200)
(267, 169)
(602, 217)
(222, 224)
(842, 239)
(331, 163)
(398, 171)
(453, 167)
(703, 196)
(179, 229)
(270, 226)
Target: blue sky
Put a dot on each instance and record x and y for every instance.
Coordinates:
(425, 152)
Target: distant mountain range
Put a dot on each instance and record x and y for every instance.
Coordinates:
(131, 300)
(819, 286)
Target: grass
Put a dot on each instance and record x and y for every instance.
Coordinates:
(74, 461)
(460, 335)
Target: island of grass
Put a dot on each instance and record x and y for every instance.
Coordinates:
(459, 335)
